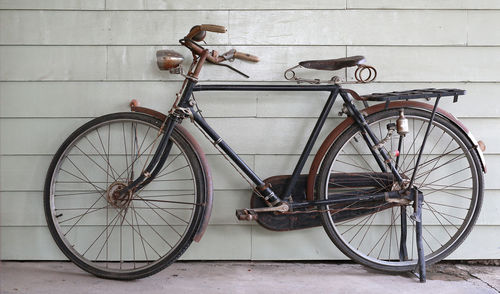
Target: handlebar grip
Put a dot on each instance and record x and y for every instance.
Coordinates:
(213, 28)
(246, 56)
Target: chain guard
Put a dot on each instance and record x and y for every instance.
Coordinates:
(311, 217)
(286, 222)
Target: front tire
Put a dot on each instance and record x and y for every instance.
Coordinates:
(131, 236)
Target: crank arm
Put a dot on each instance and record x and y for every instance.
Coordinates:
(251, 213)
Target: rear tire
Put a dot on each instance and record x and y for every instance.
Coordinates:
(449, 175)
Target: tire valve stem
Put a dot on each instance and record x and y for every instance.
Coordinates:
(402, 123)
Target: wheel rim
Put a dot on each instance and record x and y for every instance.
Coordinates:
(449, 184)
(113, 233)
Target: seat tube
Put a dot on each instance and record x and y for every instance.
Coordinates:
(310, 143)
(369, 135)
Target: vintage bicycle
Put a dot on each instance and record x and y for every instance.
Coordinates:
(396, 186)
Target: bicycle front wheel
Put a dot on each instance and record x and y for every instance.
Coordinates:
(134, 235)
(381, 234)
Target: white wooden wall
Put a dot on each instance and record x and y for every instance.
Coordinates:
(63, 62)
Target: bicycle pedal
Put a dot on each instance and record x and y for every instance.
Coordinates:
(246, 214)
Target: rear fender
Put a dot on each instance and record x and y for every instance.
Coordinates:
(332, 137)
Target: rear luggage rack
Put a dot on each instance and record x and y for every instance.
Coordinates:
(414, 94)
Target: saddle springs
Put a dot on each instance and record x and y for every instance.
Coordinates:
(363, 74)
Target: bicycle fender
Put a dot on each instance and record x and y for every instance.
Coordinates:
(204, 165)
(208, 182)
(332, 137)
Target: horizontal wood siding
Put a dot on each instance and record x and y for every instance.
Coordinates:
(65, 62)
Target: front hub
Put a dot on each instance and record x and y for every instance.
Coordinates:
(113, 195)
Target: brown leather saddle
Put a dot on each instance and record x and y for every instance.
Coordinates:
(333, 64)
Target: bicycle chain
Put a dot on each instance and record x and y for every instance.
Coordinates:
(333, 210)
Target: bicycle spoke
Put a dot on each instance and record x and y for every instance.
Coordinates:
(97, 188)
(87, 212)
(99, 236)
(151, 227)
(170, 172)
(139, 230)
(378, 241)
(154, 210)
(152, 202)
(75, 193)
(93, 161)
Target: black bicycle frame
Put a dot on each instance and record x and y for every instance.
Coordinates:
(184, 103)
(334, 91)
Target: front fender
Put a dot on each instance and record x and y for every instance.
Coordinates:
(204, 165)
(330, 139)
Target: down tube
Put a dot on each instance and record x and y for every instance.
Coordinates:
(217, 140)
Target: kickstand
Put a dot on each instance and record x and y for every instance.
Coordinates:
(417, 216)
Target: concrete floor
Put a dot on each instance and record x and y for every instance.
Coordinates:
(248, 277)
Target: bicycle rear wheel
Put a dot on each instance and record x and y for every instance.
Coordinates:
(449, 175)
(130, 236)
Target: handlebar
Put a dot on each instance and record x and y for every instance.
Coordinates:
(213, 28)
(246, 56)
(198, 33)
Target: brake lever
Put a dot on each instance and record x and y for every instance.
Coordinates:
(229, 55)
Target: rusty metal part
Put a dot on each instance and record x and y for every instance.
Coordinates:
(229, 55)
(114, 197)
(199, 65)
(285, 222)
(246, 56)
(198, 33)
(168, 59)
(265, 186)
(333, 64)
(208, 182)
(133, 103)
(246, 215)
(250, 214)
(282, 208)
(198, 50)
(147, 111)
(481, 145)
(302, 218)
(358, 74)
(232, 54)
(402, 123)
(204, 165)
(291, 76)
(330, 139)
(213, 28)
(354, 94)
